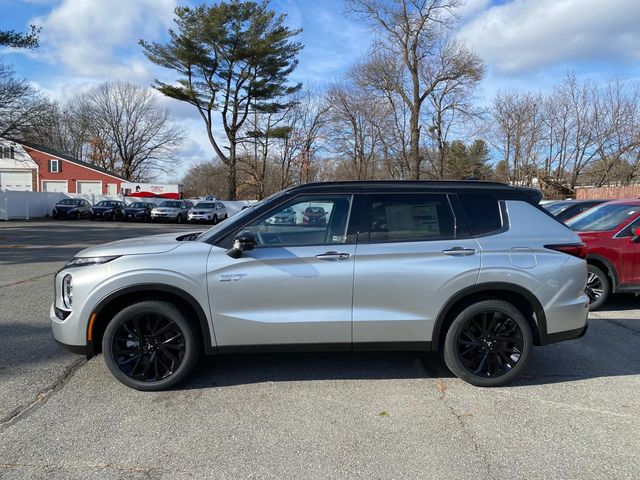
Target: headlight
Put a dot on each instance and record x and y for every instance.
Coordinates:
(85, 261)
(67, 291)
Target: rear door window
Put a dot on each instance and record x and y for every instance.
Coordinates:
(408, 218)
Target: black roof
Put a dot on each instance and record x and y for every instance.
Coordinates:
(69, 158)
(500, 190)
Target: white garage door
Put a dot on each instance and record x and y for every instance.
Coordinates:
(20, 181)
(89, 188)
(54, 186)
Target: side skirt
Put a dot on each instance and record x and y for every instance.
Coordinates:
(328, 347)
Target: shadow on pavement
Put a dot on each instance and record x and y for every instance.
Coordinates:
(611, 348)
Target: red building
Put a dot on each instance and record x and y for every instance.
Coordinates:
(58, 172)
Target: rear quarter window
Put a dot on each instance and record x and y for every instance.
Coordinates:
(482, 211)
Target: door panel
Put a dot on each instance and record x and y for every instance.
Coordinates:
(296, 286)
(400, 288)
(409, 262)
(281, 295)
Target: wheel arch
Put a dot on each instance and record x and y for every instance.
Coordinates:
(116, 301)
(520, 297)
(607, 267)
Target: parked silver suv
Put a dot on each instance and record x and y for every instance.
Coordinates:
(475, 269)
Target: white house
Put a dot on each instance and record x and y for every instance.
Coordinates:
(18, 171)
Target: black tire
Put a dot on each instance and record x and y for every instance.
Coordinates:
(598, 287)
(153, 366)
(478, 338)
(225, 216)
(179, 218)
(93, 218)
(215, 220)
(78, 216)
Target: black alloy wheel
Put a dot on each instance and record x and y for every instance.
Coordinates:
(150, 345)
(597, 288)
(488, 343)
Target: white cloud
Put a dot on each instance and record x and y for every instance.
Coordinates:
(471, 7)
(98, 38)
(525, 35)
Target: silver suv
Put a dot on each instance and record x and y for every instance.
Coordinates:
(476, 270)
(174, 210)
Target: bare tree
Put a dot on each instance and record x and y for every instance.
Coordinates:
(21, 105)
(517, 121)
(128, 131)
(451, 104)
(355, 128)
(413, 32)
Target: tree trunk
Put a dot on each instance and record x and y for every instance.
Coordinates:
(232, 184)
(414, 150)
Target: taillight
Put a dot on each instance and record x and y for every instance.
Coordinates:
(576, 249)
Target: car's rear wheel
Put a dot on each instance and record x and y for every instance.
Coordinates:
(150, 346)
(597, 288)
(488, 344)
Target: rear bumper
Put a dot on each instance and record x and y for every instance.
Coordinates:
(568, 335)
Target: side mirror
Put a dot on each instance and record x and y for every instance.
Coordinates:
(243, 241)
(636, 235)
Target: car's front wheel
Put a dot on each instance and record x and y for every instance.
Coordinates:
(488, 344)
(150, 345)
(597, 288)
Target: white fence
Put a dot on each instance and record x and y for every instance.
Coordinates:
(26, 205)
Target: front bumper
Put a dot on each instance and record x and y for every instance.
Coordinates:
(199, 218)
(164, 216)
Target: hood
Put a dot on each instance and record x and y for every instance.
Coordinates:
(135, 209)
(166, 209)
(592, 238)
(203, 210)
(139, 245)
(102, 208)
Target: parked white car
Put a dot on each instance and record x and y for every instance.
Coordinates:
(208, 212)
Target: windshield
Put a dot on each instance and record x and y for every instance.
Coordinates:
(205, 205)
(106, 203)
(603, 218)
(69, 201)
(170, 204)
(138, 205)
(557, 207)
(237, 218)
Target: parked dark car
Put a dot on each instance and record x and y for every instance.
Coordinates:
(108, 210)
(314, 216)
(611, 232)
(76, 208)
(566, 209)
(139, 211)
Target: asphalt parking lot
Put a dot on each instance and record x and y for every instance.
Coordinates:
(574, 414)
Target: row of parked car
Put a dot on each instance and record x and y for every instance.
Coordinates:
(610, 231)
(177, 211)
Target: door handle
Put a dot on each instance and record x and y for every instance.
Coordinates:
(333, 256)
(459, 252)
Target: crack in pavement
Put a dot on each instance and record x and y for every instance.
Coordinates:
(442, 388)
(42, 397)
(459, 418)
(27, 280)
(148, 471)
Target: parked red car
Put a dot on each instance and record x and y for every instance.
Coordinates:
(611, 232)
(314, 216)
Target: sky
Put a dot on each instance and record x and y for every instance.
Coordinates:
(526, 44)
